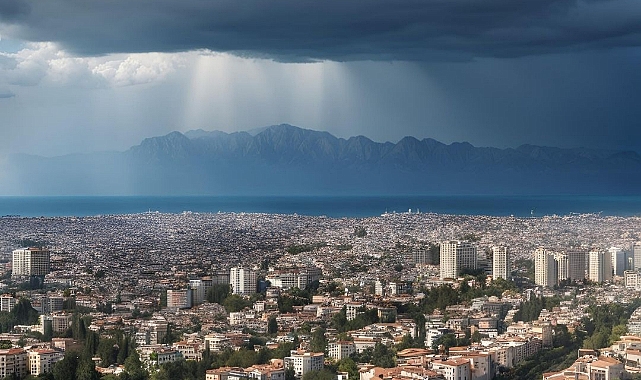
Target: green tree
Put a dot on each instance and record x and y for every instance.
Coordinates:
(86, 370)
(218, 293)
(24, 313)
(383, 356)
(323, 374)
(66, 368)
(272, 325)
(318, 341)
(348, 365)
(234, 303)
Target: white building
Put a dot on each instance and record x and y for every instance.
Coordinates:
(242, 280)
(600, 269)
(30, 262)
(562, 263)
(501, 267)
(217, 343)
(42, 360)
(7, 303)
(618, 260)
(303, 362)
(455, 256)
(545, 268)
(453, 369)
(341, 349)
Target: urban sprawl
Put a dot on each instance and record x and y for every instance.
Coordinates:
(402, 296)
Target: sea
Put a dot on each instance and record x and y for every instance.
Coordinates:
(331, 206)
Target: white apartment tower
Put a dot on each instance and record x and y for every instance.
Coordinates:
(455, 256)
(501, 267)
(242, 280)
(562, 263)
(30, 262)
(618, 260)
(600, 269)
(545, 268)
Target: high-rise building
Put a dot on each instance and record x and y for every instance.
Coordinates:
(561, 265)
(576, 264)
(30, 262)
(455, 256)
(618, 260)
(179, 298)
(545, 268)
(242, 280)
(198, 291)
(600, 266)
(636, 254)
(501, 267)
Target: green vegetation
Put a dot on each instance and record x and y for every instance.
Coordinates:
(363, 318)
(300, 248)
(234, 303)
(218, 293)
(360, 231)
(530, 310)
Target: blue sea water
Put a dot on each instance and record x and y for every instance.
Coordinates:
(333, 206)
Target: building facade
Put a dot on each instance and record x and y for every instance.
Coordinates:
(455, 256)
(30, 262)
(242, 280)
(545, 268)
(501, 267)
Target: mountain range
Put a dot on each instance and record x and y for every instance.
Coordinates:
(287, 160)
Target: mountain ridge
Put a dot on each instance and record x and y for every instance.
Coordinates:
(288, 160)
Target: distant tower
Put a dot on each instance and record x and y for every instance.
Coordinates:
(576, 264)
(30, 262)
(545, 268)
(242, 280)
(562, 263)
(501, 267)
(600, 266)
(455, 256)
(618, 260)
(636, 254)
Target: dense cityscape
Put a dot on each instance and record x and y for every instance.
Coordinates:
(233, 296)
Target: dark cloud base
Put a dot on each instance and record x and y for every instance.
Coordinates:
(341, 30)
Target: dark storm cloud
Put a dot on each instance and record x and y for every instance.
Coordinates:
(13, 9)
(6, 94)
(300, 30)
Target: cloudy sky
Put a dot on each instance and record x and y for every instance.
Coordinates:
(81, 76)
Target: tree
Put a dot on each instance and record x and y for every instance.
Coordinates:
(360, 231)
(86, 370)
(272, 325)
(66, 368)
(235, 303)
(318, 341)
(290, 374)
(24, 313)
(323, 374)
(382, 356)
(218, 293)
(348, 365)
